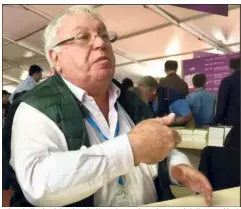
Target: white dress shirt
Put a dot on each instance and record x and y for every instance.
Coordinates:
(26, 85)
(50, 175)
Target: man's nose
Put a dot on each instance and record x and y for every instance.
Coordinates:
(98, 42)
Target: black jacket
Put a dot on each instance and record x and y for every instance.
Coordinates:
(228, 106)
(221, 166)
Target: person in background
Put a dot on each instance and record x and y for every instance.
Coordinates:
(5, 97)
(3, 116)
(165, 100)
(35, 75)
(18, 95)
(6, 187)
(228, 104)
(127, 83)
(78, 140)
(5, 104)
(172, 80)
(139, 93)
(201, 102)
(6, 191)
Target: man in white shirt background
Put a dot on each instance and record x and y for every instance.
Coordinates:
(55, 164)
(35, 75)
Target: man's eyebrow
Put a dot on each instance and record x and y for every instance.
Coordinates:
(80, 27)
(102, 28)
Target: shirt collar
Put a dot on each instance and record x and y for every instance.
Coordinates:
(171, 74)
(200, 89)
(31, 78)
(82, 95)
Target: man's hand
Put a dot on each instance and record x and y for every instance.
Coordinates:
(193, 180)
(152, 140)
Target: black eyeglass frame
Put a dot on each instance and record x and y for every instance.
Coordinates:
(112, 36)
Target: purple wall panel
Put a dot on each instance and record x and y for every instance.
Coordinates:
(215, 67)
(221, 9)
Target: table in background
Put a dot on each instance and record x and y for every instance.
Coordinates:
(222, 198)
(191, 145)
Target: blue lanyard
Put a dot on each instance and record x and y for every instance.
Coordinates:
(103, 137)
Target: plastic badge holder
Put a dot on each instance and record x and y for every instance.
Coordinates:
(122, 200)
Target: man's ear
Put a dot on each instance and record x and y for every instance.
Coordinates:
(55, 60)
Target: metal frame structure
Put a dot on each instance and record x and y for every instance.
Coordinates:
(154, 8)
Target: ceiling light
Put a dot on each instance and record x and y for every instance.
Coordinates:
(28, 54)
(173, 47)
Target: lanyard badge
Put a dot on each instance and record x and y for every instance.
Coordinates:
(104, 138)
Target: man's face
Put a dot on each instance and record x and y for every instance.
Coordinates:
(5, 99)
(90, 59)
(150, 95)
(38, 76)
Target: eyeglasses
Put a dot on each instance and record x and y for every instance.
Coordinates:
(86, 39)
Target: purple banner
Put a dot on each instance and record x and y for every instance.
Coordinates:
(215, 67)
(199, 54)
(218, 9)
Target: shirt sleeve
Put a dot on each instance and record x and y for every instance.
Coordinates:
(176, 158)
(190, 101)
(49, 174)
(180, 107)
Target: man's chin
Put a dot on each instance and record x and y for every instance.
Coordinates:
(105, 74)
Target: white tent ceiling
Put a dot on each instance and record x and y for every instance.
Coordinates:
(147, 38)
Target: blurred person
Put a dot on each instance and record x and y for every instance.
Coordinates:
(35, 75)
(3, 115)
(6, 190)
(18, 95)
(64, 157)
(139, 93)
(163, 101)
(228, 104)
(127, 83)
(5, 97)
(172, 80)
(201, 102)
(6, 187)
(5, 103)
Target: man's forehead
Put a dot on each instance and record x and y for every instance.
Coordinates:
(84, 27)
(82, 22)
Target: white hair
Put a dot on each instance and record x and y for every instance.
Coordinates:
(50, 33)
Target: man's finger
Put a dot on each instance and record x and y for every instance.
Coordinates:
(208, 195)
(206, 190)
(167, 120)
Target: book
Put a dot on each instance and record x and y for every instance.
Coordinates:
(216, 136)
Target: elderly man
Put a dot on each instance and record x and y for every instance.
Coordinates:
(73, 140)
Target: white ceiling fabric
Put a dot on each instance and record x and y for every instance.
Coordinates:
(146, 38)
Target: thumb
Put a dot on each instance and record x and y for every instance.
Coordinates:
(167, 120)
